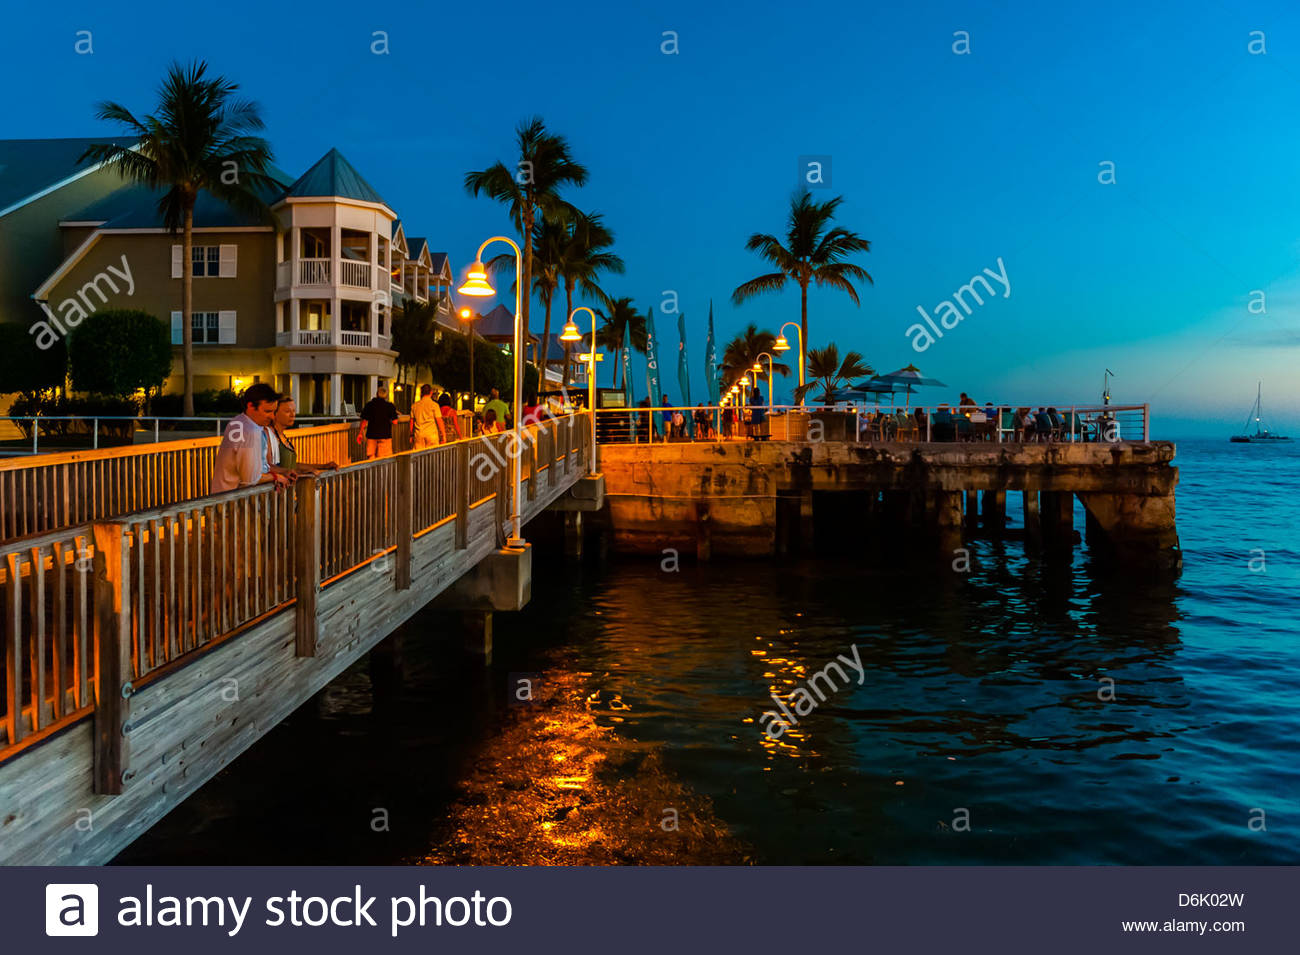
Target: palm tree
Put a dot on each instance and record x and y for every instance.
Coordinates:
(827, 370)
(620, 314)
(583, 255)
(810, 254)
(548, 237)
(532, 187)
(413, 329)
(742, 352)
(200, 140)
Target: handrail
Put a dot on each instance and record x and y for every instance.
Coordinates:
(185, 576)
(1108, 423)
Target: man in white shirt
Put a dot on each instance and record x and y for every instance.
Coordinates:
(244, 456)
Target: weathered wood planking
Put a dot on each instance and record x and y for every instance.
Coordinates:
(187, 726)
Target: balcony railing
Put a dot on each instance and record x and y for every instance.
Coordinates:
(313, 271)
(356, 338)
(313, 336)
(354, 274)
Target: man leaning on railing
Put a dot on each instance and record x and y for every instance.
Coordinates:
(243, 459)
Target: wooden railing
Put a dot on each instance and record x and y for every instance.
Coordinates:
(45, 492)
(91, 611)
(313, 271)
(354, 274)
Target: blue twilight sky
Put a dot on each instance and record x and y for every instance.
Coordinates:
(946, 162)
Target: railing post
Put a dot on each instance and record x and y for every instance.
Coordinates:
(552, 470)
(927, 427)
(95, 440)
(15, 651)
(403, 504)
(1146, 422)
(462, 494)
(532, 457)
(307, 564)
(155, 430)
(113, 657)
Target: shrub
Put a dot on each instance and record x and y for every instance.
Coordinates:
(118, 351)
(26, 368)
(223, 404)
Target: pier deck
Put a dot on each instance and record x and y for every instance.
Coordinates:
(143, 653)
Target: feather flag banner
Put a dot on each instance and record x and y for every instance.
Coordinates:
(711, 363)
(653, 388)
(684, 375)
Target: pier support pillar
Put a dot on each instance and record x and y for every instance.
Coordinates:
(573, 533)
(995, 512)
(946, 518)
(1134, 529)
(972, 511)
(503, 580)
(476, 626)
(1033, 521)
(1057, 516)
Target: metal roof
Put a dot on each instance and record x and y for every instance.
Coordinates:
(32, 166)
(334, 176)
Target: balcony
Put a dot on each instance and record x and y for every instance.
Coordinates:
(313, 271)
(354, 274)
(356, 339)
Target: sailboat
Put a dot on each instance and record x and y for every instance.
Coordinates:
(1261, 432)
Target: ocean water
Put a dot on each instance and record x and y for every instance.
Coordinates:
(1019, 713)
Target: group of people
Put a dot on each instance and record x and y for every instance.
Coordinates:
(732, 422)
(256, 448)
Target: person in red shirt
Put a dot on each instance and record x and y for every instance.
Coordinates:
(449, 423)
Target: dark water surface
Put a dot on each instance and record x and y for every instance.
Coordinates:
(986, 697)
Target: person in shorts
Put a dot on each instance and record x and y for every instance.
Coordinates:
(377, 419)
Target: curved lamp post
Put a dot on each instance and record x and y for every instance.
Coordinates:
(476, 284)
(782, 345)
(758, 369)
(571, 334)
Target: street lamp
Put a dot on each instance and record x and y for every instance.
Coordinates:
(467, 316)
(782, 345)
(476, 283)
(571, 334)
(758, 368)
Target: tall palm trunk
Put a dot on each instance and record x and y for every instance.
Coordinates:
(568, 311)
(526, 290)
(803, 326)
(187, 309)
(546, 347)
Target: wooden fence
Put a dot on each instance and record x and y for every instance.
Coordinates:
(50, 491)
(92, 611)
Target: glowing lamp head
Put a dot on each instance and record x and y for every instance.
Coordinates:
(744, 381)
(758, 367)
(780, 344)
(570, 332)
(465, 314)
(476, 282)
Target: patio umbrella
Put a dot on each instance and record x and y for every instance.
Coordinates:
(908, 378)
(874, 387)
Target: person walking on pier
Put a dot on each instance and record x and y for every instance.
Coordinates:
(426, 419)
(244, 457)
(377, 419)
(449, 422)
(499, 408)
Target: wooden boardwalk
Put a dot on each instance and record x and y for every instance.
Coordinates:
(145, 652)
